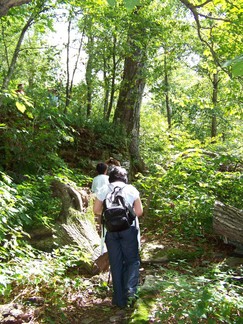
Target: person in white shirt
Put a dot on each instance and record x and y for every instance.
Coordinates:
(123, 246)
(101, 179)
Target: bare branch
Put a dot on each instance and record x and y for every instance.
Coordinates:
(196, 16)
(203, 4)
(214, 18)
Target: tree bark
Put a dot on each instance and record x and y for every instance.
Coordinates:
(88, 75)
(228, 222)
(130, 97)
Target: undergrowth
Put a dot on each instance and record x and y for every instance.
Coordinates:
(183, 294)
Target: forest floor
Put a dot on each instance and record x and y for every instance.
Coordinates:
(93, 304)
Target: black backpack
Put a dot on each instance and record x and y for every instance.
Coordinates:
(118, 215)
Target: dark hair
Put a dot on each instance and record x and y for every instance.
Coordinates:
(101, 167)
(118, 174)
(113, 161)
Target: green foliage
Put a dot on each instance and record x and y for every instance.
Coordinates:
(237, 65)
(32, 145)
(96, 140)
(184, 194)
(186, 177)
(40, 206)
(175, 254)
(31, 203)
(129, 4)
(108, 135)
(186, 172)
(10, 224)
(23, 206)
(211, 295)
(42, 274)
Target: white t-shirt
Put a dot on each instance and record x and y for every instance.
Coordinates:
(129, 191)
(98, 182)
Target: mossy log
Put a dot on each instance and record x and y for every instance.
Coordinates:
(228, 222)
(75, 198)
(74, 226)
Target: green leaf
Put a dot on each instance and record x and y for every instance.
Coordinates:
(237, 68)
(21, 107)
(131, 4)
(29, 114)
(27, 102)
(112, 2)
(237, 65)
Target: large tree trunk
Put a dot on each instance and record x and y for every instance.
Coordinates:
(228, 222)
(129, 104)
(130, 97)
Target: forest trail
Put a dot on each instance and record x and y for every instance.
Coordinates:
(91, 304)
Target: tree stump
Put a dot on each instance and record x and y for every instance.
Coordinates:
(228, 222)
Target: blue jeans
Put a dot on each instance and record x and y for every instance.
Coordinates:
(124, 263)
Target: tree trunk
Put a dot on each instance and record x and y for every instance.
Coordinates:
(214, 100)
(34, 16)
(128, 107)
(68, 69)
(167, 103)
(88, 76)
(113, 78)
(16, 53)
(130, 97)
(228, 222)
(106, 85)
(70, 81)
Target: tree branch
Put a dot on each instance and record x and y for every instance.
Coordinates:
(196, 16)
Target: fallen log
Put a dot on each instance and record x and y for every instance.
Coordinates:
(75, 226)
(228, 223)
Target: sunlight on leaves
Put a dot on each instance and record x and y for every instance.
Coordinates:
(21, 107)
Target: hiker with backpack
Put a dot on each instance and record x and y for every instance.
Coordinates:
(119, 205)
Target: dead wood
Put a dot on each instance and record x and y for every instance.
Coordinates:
(228, 222)
(74, 226)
